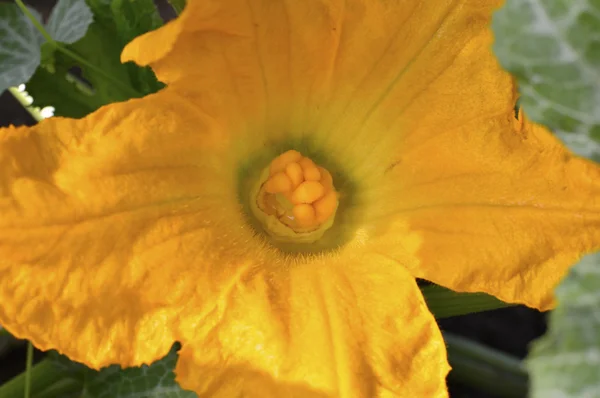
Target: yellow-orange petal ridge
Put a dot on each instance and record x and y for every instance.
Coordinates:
(295, 199)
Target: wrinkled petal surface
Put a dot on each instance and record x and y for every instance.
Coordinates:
(123, 232)
(504, 209)
(349, 326)
(412, 101)
(356, 77)
(105, 226)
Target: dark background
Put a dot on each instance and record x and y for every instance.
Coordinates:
(509, 330)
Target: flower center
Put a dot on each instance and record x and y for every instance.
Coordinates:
(295, 199)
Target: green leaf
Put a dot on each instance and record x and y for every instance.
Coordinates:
(66, 367)
(134, 18)
(115, 23)
(154, 381)
(60, 90)
(553, 49)
(19, 46)
(444, 303)
(565, 362)
(178, 5)
(100, 46)
(69, 20)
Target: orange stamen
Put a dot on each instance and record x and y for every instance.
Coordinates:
(299, 193)
(308, 192)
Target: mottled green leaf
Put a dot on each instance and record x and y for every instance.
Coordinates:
(565, 362)
(553, 48)
(154, 381)
(69, 20)
(20, 45)
(582, 144)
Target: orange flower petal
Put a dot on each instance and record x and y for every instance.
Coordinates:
(349, 326)
(380, 86)
(501, 210)
(349, 74)
(106, 225)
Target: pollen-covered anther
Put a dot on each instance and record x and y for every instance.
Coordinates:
(295, 174)
(299, 193)
(304, 214)
(325, 206)
(278, 183)
(308, 192)
(281, 161)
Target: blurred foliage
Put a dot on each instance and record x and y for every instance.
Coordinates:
(20, 43)
(95, 31)
(74, 95)
(566, 361)
(553, 49)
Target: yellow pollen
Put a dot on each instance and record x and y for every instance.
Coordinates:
(295, 199)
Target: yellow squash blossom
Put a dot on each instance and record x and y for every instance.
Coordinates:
(271, 208)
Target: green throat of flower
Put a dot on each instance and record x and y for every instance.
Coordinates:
(294, 199)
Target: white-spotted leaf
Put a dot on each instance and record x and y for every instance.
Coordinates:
(552, 47)
(20, 45)
(565, 363)
(69, 20)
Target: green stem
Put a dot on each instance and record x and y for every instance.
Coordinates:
(28, 364)
(35, 22)
(81, 86)
(486, 369)
(128, 89)
(42, 375)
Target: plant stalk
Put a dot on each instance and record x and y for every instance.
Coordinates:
(28, 364)
(486, 369)
(41, 375)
